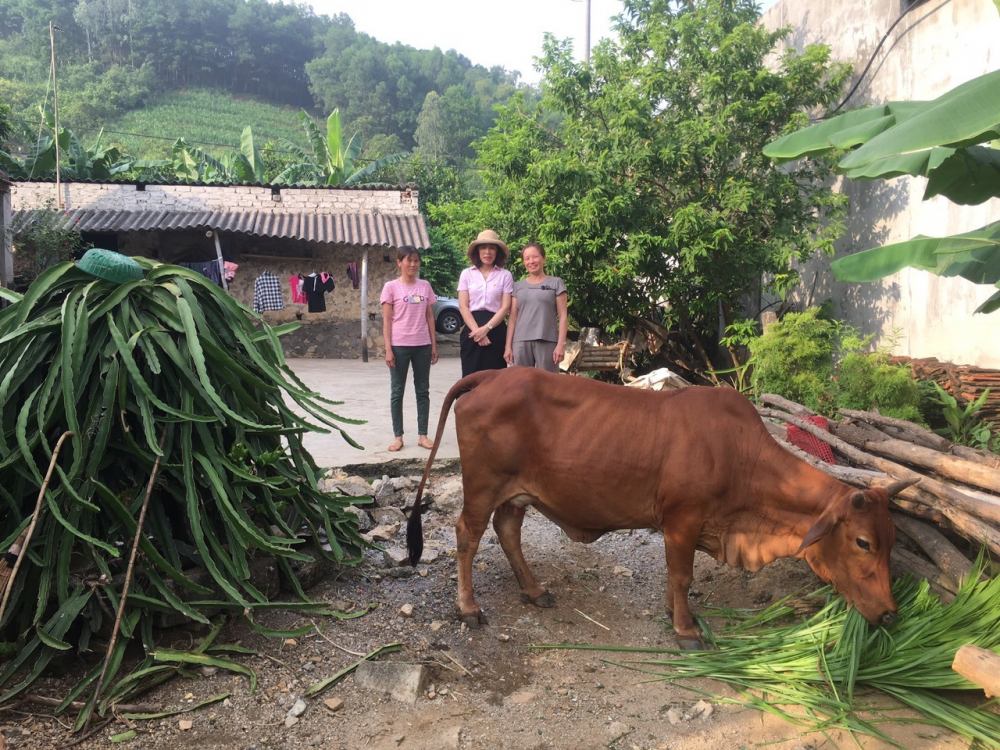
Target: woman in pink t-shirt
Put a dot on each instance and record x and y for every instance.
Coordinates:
(408, 331)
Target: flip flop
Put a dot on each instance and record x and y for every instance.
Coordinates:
(396, 445)
(425, 442)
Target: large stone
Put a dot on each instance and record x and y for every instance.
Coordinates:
(350, 486)
(404, 682)
(384, 533)
(388, 516)
(364, 520)
(448, 495)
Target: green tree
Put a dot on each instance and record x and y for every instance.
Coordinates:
(6, 128)
(448, 124)
(643, 175)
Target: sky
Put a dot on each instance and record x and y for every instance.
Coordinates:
(501, 32)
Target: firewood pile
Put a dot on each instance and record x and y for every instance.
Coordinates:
(943, 520)
(965, 382)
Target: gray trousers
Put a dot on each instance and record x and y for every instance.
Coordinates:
(536, 353)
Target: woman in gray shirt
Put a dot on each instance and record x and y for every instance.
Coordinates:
(536, 330)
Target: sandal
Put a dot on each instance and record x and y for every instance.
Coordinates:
(397, 445)
(424, 442)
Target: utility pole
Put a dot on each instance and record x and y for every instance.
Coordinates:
(586, 31)
(55, 109)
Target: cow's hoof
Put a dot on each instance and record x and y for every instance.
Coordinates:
(474, 621)
(691, 644)
(546, 600)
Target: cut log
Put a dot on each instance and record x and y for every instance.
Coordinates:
(980, 667)
(918, 433)
(937, 547)
(921, 511)
(951, 497)
(902, 561)
(786, 405)
(946, 465)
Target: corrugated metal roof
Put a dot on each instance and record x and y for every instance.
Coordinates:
(167, 181)
(373, 230)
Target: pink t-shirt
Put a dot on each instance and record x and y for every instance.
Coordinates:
(409, 311)
(486, 293)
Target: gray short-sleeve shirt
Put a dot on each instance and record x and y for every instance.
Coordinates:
(537, 318)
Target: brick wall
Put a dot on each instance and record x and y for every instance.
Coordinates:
(125, 196)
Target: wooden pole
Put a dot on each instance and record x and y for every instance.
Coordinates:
(218, 257)
(55, 110)
(364, 306)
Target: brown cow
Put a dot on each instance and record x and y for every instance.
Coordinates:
(697, 464)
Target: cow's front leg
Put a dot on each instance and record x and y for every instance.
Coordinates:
(680, 571)
(507, 521)
(468, 532)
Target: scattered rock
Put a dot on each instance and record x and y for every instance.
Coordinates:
(350, 486)
(448, 739)
(402, 483)
(449, 496)
(298, 709)
(404, 682)
(702, 708)
(395, 557)
(207, 671)
(383, 533)
(291, 721)
(617, 730)
(675, 716)
(334, 704)
(503, 637)
(621, 570)
(185, 724)
(364, 520)
(406, 610)
(385, 496)
(388, 516)
(437, 625)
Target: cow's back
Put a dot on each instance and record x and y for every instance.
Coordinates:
(600, 456)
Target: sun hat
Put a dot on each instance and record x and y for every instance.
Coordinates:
(489, 237)
(110, 266)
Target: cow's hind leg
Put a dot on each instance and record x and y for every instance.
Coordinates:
(507, 521)
(680, 572)
(468, 531)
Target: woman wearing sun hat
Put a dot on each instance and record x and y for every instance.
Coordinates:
(484, 293)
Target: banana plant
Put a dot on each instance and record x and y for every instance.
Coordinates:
(76, 161)
(331, 161)
(953, 142)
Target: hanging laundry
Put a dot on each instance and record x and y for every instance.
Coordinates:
(298, 293)
(210, 270)
(267, 293)
(230, 271)
(353, 275)
(316, 286)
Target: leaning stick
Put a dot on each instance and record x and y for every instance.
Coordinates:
(31, 526)
(128, 576)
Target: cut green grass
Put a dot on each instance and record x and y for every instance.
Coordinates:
(819, 673)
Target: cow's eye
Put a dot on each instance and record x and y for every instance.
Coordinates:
(863, 543)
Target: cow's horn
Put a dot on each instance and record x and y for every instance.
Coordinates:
(898, 486)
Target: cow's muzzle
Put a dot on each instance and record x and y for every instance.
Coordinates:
(888, 618)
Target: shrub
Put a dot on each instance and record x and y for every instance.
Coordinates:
(795, 359)
(868, 380)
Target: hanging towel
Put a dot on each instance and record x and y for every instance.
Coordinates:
(230, 270)
(267, 293)
(353, 275)
(298, 293)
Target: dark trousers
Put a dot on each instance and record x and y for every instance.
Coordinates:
(420, 356)
(476, 357)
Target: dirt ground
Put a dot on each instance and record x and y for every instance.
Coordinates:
(487, 689)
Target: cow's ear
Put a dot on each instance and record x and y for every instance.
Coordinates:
(819, 530)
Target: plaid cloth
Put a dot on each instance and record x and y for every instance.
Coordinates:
(267, 293)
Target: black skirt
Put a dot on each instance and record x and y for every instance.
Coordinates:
(476, 357)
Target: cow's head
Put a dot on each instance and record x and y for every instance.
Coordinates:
(848, 547)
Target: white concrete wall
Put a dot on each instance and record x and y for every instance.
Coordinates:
(127, 197)
(938, 45)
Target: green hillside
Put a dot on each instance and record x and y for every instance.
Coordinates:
(211, 119)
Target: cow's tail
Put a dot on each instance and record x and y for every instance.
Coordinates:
(414, 527)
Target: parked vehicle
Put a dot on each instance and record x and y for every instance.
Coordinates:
(447, 319)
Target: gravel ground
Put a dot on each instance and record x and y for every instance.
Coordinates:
(484, 689)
